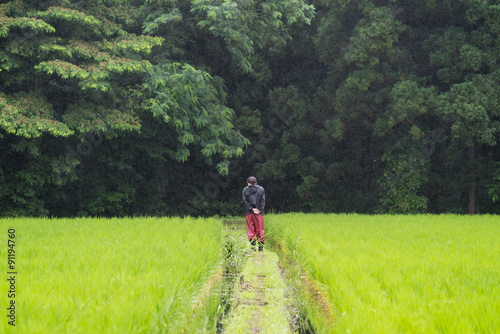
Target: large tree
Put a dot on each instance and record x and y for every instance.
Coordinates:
(83, 84)
(68, 69)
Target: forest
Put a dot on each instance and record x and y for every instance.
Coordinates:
(165, 107)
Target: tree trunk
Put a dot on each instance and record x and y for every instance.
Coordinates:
(472, 185)
(472, 200)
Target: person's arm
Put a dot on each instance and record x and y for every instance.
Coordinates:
(262, 203)
(248, 206)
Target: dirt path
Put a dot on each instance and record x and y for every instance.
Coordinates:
(260, 302)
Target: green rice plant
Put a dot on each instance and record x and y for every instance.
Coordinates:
(400, 274)
(142, 275)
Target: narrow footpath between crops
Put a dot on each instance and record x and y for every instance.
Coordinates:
(261, 302)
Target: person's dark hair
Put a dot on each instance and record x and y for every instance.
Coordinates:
(252, 180)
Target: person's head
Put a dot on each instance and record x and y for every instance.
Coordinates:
(252, 180)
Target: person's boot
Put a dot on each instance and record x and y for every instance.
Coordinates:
(261, 246)
(253, 242)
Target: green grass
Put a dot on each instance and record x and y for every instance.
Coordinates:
(381, 274)
(401, 274)
(260, 304)
(112, 275)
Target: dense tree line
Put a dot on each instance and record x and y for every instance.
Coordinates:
(165, 107)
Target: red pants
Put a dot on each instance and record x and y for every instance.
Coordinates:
(255, 227)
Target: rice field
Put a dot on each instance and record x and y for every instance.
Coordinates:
(144, 275)
(400, 274)
(379, 274)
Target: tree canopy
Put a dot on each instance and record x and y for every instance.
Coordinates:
(126, 107)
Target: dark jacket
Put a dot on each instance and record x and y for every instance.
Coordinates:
(254, 197)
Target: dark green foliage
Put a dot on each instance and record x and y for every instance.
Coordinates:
(404, 174)
(166, 107)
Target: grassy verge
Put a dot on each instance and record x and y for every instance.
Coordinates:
(235, 250)
(311, 306)
(259, 303)
(391, 274)
(115, 275)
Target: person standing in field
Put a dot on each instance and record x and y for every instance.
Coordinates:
(254, 198)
